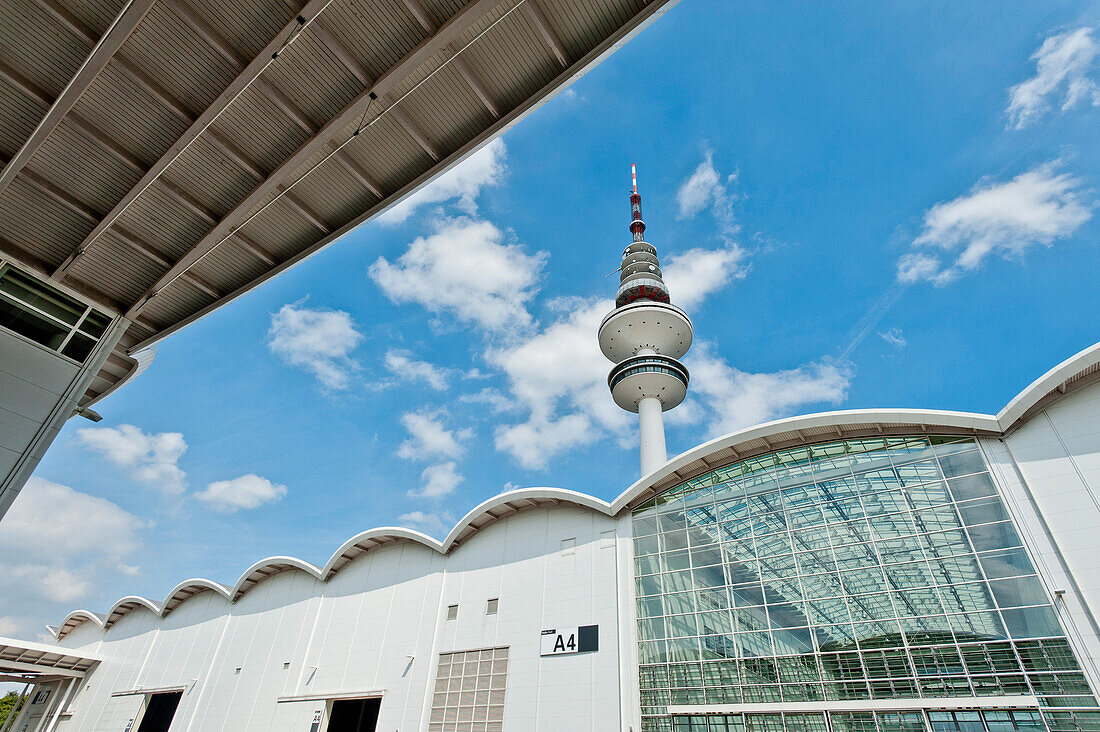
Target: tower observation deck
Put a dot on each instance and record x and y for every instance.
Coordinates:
(644, 336)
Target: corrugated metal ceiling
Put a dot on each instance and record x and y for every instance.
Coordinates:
(189, 128)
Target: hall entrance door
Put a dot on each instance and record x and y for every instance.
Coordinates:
(354, 715)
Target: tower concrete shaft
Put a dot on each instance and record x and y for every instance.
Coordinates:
(644, 336)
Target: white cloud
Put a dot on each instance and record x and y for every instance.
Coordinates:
(317, 340)
(467, 269)
(894, 337)
(1034, 208)
(696, 273)
(535, 442)
(437, 523)
(491, 398)
(401, 364)
(485, 168)
(437, 481)
(734, 399)
(559, 376)
(149, 458)
(1063, 64)
(245, 492)
(57, 542)
(429, 438)
(705, 188)
(9, 626)
(51, 582)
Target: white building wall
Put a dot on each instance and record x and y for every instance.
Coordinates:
(1050, 469)
(378, 625)
(32, 382)
(376, 612)
(39, 389)
(540, 586)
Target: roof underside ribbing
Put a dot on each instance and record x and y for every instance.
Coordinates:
(157, 158)
(25, 657)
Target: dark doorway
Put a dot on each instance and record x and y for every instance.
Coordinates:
(159, 711)
(354, 715)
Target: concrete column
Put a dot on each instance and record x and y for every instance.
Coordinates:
(651, 424)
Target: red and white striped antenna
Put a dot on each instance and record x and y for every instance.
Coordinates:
(634, 176)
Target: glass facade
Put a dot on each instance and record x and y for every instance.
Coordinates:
(864, 569)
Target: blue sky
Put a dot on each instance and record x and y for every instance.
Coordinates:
(892, 206)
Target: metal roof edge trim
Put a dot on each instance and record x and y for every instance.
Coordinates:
(1049, 382)
(929, 417)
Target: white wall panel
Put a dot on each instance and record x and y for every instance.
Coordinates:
(1050, 470)
(378, 625)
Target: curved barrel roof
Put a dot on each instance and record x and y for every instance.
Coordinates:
(1074, 373)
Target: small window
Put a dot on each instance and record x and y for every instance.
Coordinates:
(41, 697)
(452, 612)
(491, 606)
(37, 311)
(568, 546)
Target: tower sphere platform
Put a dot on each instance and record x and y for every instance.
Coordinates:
(645, 324)
(650, 375)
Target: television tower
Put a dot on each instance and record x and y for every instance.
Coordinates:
(645, 335)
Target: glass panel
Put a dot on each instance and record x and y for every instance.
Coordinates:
(26, 289)
(1007, 563)
(31, 325)
(95, 324)
(971, 486)
(79, 347)
(983, 511)
(1018, 591)
(962, 464)
(1031, 622)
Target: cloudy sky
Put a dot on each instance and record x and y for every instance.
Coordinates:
(893, 206)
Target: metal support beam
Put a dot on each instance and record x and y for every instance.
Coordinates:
(105, 143)
(255, 250)
(187, 200)
(201, 125)
(147, 83)
(21, 82)
(402, 118)
(461, 21)
(74, 120)
(421, 15)
(63, 699)
(474, 82)
(283, 102)
(459, 63)
(206, 32)
(65, 198)
(305, 211)
(341, 52)
(357, 171)
(537, 16)
(333, 44)
(127, 68)
(128, 18)
(227, 148)
(26, 705)
(40, 668)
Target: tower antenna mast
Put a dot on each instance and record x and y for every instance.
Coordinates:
(644, 336)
